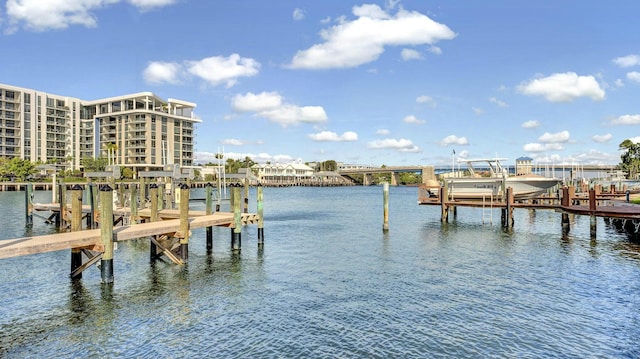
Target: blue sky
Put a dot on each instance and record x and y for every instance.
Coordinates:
(372, 82)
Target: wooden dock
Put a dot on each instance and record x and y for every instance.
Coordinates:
(92, 240)
(611, 206)
(167, 229)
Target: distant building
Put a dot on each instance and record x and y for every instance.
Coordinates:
(524, 166)
(283, 173)
(138, 130)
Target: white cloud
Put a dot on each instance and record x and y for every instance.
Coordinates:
(410, 54)
(426, 99)
(534, 147)
(530, 124)
(627, 61)
(634, 76)
(215, 70)
(435, 50)
(160, 72)
(232, 142)
(559, 137)
(251, 102)
(270, 105)
(363, 40)
(498, 102)
(298, 14)
(619, 83)
(219, 69)
(402, 145)
(43, 15)
(328, 136)
(145, 5)
(413, 119)
(626, 120)
(454, 140)
(477, 110)
(602, 138)
(554, 146)
(382, 132)
(563, 87)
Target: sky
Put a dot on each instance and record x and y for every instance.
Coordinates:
(395, 83)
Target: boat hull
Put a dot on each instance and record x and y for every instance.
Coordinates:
(491, 188)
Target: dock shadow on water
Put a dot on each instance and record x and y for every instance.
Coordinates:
(330, 283)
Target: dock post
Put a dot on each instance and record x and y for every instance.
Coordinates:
(509, 210)
(106, 233)
(444, 211)
(133, 203)
(385, 200)
(143, 192)
(184, 222)
(592, 200)
(63, 206)
(153, 195)
(76, 225)
(28, 205)
(161, 196)
(260, 216)
(245, 195)
(565, 201)
(236, 239)
(93, 202)
(208, 210)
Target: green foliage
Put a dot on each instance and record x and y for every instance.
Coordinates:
(91, 164)
(630, 159)
(329, 165)
(127, 173)
(16, 167)
(232, 166)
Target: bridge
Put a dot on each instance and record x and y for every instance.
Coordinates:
(429, 172)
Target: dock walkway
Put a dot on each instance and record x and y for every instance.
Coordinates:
(91, 239)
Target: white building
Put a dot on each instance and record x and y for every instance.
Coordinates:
(283, 173)
(137, 130)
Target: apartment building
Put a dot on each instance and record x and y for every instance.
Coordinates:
(140, 131)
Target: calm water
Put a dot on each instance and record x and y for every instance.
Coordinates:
(330, 284)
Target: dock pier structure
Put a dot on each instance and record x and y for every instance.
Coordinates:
(113, 218)
(592, 202)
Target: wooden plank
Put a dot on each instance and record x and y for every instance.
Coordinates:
(91, 238)
(49, 243)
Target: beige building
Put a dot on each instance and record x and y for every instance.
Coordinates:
(138, 131)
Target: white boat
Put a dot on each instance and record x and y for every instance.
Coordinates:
(492, 183)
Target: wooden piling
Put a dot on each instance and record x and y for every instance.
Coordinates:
(28, 205)
(385, 197)
(184, 222)
(160, 200)
(93, 203)
(76, 225)
(508, 220)
(153, 194)
(133, 203)
(592, 200)
(106, 233)
(444, 210)
(236, 239)
(245, 195)
(208, 211)
(260, 198)
(143, 193)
